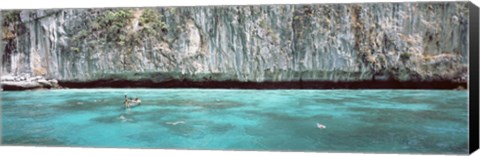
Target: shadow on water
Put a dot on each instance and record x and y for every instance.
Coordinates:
(210, 104)
(406, 130)
(376, 130)
(399, 116)
(330, 101)
(133, 115)
(31, 111)
(396, 139)
(30, 140)
(282, 131)
(87, 105)
(111, 119)
(275, 116)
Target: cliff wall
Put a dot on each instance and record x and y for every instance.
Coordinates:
(320, 42)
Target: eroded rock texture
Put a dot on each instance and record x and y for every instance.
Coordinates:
(334, 42)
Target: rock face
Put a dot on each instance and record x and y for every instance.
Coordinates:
(334, 42)
(25, 82)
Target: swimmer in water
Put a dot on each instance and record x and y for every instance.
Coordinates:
(137, 100)
(321, 126)
(126, 102)
(131, 102)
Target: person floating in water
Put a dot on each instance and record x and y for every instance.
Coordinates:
(131, 102)
(137, 100)
(126, 102)
(321, 126)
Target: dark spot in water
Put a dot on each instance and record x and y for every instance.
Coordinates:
(399, 129)
(278, 136)
(384, 115)
(37, 111)
(413, 100)
(195, 129)
(213, 104)
(86, 105)
(32, 140)
(321, 117)
(335, 101)
(275, 116)
(401, 116)
(107, 119)
(390, 115)
(439, 115)
(112, 119)
(221, 128)
(144, 136)
(76, 105)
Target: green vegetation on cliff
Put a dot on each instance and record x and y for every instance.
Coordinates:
(152, 23)
(121, 27)
(10, 19)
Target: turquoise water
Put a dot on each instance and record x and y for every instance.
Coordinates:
(378, 121)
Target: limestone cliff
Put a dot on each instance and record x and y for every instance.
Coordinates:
(321, 42)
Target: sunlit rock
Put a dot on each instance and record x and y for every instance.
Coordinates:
(334, 42)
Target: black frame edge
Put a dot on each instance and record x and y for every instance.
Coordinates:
(473, 78)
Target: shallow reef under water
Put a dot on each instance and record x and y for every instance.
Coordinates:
(367, 121)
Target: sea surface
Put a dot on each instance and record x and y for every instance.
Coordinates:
(366, 121)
